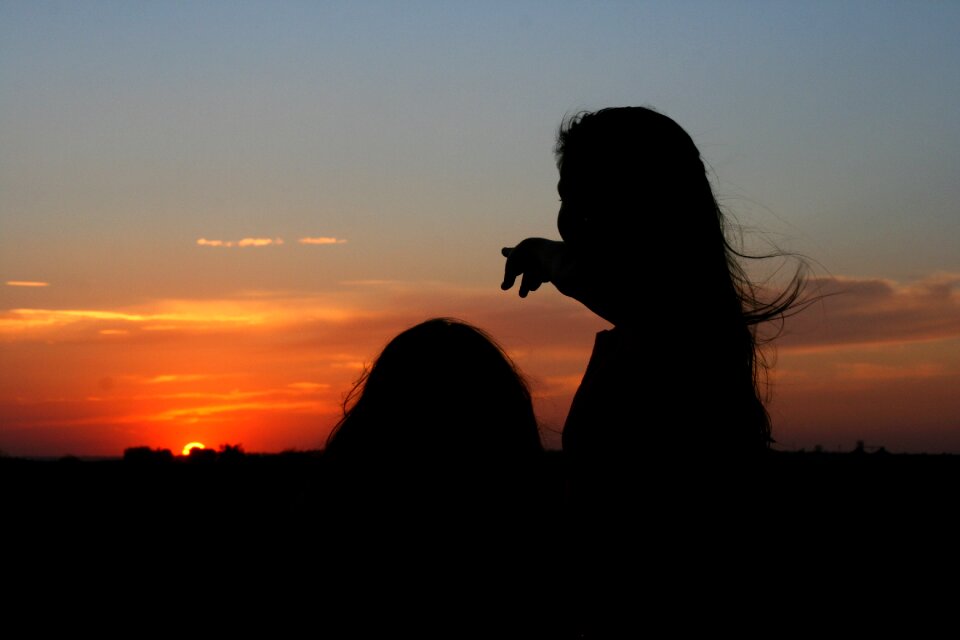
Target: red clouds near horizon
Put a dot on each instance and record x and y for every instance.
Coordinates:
(873, 360)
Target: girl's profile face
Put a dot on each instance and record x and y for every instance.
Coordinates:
(566, 223)
(582, 206)
(572, 215)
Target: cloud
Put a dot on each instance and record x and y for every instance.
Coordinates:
(259, 242)
(861, 311)
(874, 360)
(196, 413)
(68, 324)
(870, 372)
(266, 242)
(176, 377)
(26, 283)
(245, 242)
(322, 240)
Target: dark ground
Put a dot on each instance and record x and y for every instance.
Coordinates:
(796, 500)
(290, 488)
(259, 531)
(217, 485)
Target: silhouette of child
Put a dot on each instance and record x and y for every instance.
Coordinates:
(644, 247)
(437, 473)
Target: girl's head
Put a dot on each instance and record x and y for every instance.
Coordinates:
(632, 175)
(439, 391)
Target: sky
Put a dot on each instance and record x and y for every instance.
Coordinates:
(213, 215)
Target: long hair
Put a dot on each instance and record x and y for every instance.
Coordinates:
(644, 179)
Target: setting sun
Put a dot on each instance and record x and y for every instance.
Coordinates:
(193, 445)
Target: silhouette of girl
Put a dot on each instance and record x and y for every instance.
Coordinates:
(644, 247)
(665, 430)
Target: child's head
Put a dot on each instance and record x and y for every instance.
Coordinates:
(441, 390)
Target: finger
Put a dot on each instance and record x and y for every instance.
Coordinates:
(529, 283)
(511, 269)
(509, 277)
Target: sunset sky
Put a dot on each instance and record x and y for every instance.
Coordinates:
(214, 214)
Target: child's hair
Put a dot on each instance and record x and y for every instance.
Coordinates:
(439, 392)
(643, 181)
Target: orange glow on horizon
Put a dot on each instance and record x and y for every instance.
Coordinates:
(270, 368)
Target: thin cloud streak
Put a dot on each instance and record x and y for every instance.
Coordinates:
(322, 240)
(27, 283)
(17, 321)
(245, 242)
(265, 242)
(196, 413)
(176, 377)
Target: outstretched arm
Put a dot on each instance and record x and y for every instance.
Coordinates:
(538, 260)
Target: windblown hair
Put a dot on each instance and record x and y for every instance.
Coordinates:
(642, 175)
